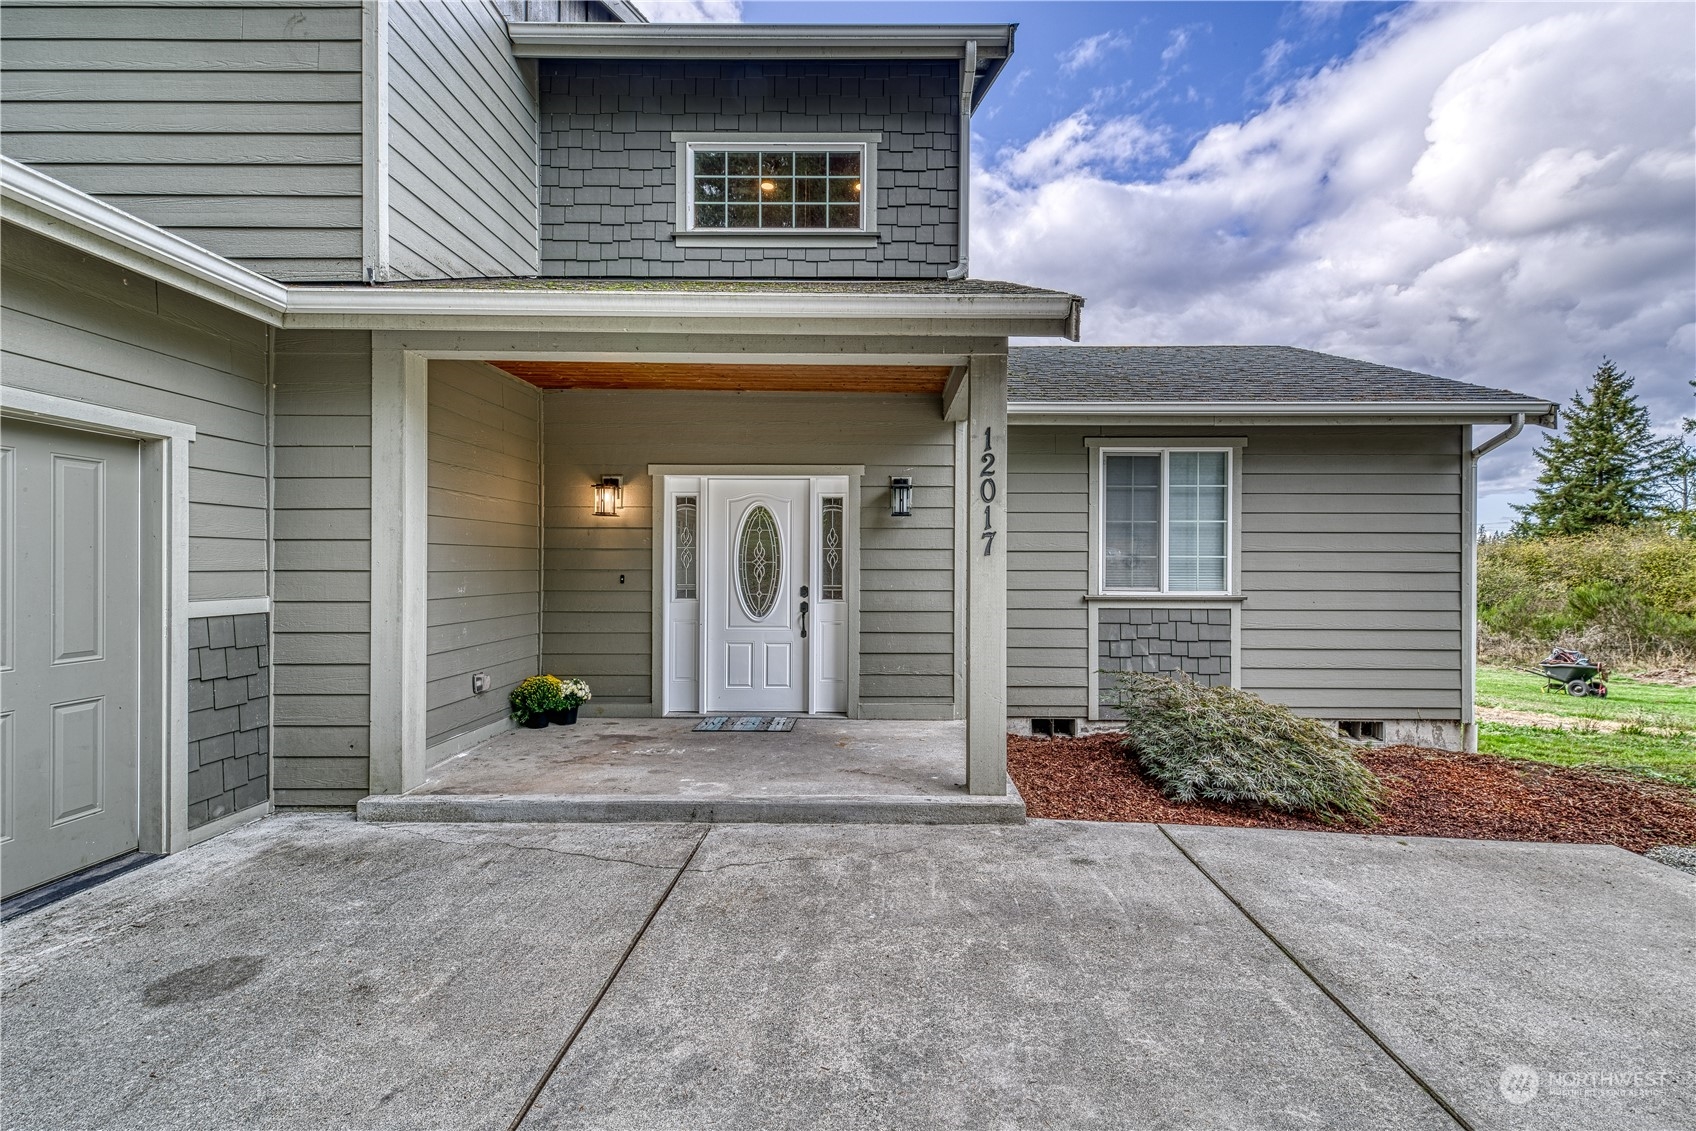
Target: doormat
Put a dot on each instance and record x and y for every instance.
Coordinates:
(747, 723)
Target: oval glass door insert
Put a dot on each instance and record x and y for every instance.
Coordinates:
(759, 562)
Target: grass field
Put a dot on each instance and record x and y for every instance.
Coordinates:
(1655, 736)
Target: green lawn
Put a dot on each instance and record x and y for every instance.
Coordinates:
(1658, 742)
(1648, 704)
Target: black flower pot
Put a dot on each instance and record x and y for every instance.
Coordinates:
(564, 718)
(536, 722)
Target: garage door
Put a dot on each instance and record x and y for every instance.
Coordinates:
(69, 642)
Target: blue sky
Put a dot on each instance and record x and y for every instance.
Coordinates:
(1498, 193)
(1189, 66)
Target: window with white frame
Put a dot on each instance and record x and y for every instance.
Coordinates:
(1164, 520)
(778, 186)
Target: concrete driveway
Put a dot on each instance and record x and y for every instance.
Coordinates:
(311, 972)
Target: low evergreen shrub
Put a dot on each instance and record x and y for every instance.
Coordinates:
(1220, 744)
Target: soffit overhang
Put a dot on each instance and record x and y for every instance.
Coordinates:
(734, 42)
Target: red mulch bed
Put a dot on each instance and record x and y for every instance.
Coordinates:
(1431, 793)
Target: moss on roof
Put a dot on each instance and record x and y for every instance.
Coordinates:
(923, 287)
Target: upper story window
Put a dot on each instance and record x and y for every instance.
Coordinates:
(809, 188)
(1164, 520)
(794, 188)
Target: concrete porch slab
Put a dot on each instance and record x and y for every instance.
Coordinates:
(827, 770)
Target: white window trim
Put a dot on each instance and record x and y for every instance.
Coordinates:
(864, 236)
(1101, 447)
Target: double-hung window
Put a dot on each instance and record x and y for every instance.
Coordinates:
(1164, 520)
(818, 187)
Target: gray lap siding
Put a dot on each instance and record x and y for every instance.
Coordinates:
(236, 125)
(485, 496)
(321, 624)
(597, 618)
(1351, 569)
(609, 179)
(462, 145)
(80, 328)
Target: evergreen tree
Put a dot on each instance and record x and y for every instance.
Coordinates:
(1608, 467)
(1680, 490)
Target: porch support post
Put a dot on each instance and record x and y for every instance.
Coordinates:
(984, 495)
(400, 407)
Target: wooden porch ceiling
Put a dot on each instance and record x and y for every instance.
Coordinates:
(729, 377)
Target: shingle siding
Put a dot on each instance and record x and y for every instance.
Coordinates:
(1164, 641)
(229, 733)
(609, 166)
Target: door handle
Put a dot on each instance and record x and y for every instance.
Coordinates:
(803, 620)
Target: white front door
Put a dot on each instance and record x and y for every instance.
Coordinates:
(756, 595)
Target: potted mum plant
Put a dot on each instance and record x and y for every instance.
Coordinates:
(533, 699)
(573, 693)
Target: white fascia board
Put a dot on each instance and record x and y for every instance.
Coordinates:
(40, 203)
(1542, 413)
(758, 41)
(310, 306)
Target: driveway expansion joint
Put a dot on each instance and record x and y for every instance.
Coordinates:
(1311, 976)
(606, 986)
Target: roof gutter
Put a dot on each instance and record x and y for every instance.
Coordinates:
(1542, 414)
(40, 203)
(968, 82)
(759, 41)
(1497, 441)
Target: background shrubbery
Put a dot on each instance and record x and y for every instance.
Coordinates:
(1625, 596)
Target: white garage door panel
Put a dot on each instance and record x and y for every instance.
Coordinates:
(69, 638)
(78, 752)
(79, 561)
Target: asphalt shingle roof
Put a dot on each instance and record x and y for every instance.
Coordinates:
(1243, 374)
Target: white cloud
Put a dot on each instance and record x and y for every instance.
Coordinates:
(1090, 51)
(1496, 193)
(691, 11)
(1080, 142)
(1176, 45)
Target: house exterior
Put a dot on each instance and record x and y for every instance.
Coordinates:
(362, 359)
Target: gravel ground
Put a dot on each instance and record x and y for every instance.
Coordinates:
(1431, 793)
(1682, 857)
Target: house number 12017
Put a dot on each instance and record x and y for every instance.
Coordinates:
(987, 490)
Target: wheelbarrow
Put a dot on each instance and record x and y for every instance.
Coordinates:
(1577, 678)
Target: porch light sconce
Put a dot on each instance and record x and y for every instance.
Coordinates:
(609, 496)
(900, 496)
